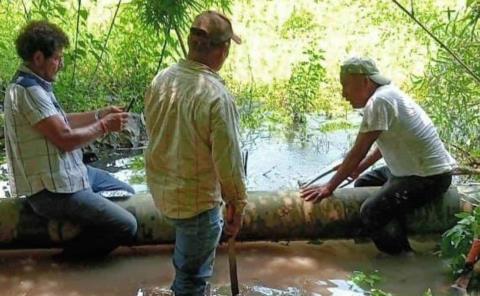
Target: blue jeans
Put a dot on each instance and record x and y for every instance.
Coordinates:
(101, 180)
(196, 240)
(105, 225)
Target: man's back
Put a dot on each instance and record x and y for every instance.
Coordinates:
(191, 121)
(409, 142)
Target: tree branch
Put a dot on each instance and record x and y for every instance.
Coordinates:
(106, 41)
(475, 76)
(76, 43)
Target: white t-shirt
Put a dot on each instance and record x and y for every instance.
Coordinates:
(409, 141)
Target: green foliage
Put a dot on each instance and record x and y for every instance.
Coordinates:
(137, 166)
(249, 98)
(174, 13)
(47, 9)
(126, 61)
(303, 86)
(451, 95)
(300, 22)
(339, 124)
(456, 241)
(368, 281)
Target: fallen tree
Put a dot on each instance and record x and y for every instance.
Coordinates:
(269, 216)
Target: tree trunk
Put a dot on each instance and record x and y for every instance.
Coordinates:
(269, 216)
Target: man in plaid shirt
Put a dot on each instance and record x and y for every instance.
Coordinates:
(43, 149)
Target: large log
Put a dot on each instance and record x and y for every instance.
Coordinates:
(273, 216)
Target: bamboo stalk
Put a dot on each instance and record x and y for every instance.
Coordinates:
(180, 40)
(105, 44)
(76, 43)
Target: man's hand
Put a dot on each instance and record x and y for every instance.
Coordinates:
(108, 110)
(354, 175)
(115, 122)
(315, 193)
(234, 222)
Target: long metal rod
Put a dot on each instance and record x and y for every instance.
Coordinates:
(318, 177)
(475, 76)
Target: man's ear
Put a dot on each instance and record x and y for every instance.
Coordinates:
(38, 58)
(227, 49)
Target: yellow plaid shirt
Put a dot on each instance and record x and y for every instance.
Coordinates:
(193, 158)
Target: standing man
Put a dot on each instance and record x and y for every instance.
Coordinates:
(193, 158)
(43, 149)
(418, 167)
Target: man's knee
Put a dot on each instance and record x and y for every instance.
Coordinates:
(130, 227)
(124, 228)
(372, 216)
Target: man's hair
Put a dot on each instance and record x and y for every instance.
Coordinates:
(40, 36)
(200, 43)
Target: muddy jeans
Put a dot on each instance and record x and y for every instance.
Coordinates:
(383, 215)
(105, 225)
(196, 240)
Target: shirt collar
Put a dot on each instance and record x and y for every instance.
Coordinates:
(46, 85)
(199, 67)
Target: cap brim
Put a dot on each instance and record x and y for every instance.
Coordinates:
(236, 39)
(379, 79)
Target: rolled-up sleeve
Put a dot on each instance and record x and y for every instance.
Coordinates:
(226, 152)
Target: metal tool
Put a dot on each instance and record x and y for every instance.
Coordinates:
(232, 256)
(232, 261)
(333, 169)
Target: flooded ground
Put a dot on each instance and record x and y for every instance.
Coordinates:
(295, 269)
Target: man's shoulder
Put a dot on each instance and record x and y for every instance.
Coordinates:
(28, 80)
(387, 95)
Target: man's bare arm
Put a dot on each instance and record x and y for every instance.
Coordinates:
(66, 138)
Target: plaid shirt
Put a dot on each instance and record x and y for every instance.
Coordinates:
(34, 162)
(193, 158)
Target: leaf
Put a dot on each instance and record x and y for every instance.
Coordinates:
(470, 2)
(84, 14)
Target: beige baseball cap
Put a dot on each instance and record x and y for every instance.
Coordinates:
(216, 27)
(365, 66)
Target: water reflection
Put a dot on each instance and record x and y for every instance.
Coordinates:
(278, 157)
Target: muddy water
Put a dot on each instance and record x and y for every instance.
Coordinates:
(297, 268)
